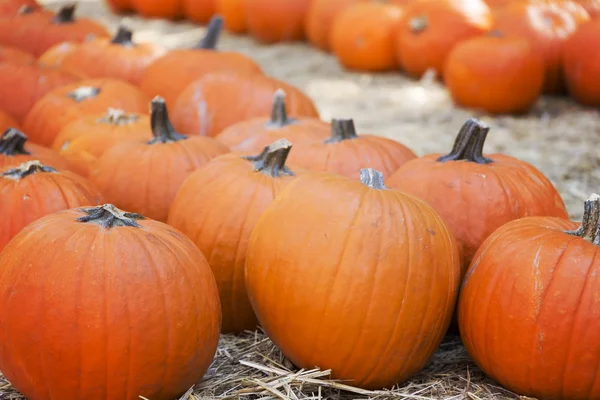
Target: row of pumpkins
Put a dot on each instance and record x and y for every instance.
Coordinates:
(135, 238)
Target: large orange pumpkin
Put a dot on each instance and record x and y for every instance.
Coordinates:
(276, 20)
(256, 133)
(144, 176)
(16, 150)
(476, 193)
(320, 18)
(6, 121)
(233, 13)
(9, 8)
(200, 11)
(14, 55)
(129, 307)
(68, 103)
(581, 63)
(218, 206)
(528, 308)
(167, 9)
(31, 190)
(354, 277)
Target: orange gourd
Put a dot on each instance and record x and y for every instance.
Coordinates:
(320, 18)
(200, 11)
(16, 150)
(166, 9)
(129, 307)
(276, 20)
(9, 8)
(14, 55)
(6, 121)
(144, 176)
(354, 277)
(233, 13)
(581, 63)
(68, 103)
(120, 6)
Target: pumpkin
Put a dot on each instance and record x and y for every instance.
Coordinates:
(218, 206)
(24, 84)
(6, 121)
(120, 6)
(431, 28)
(276, 20)
(16, 150)
(14, 55)
(528, 309)
(216, 101)
(547, 24)
(498, 74)
(54, 56)
(320, 17)
(84, 140)
(591, 6)
(167, 9)
(31, 190)
(129, 307)
(581, 64)
(256, 133)
(65, 104)
(369, 274)
(233, 13)
(171, 74)
(119, 58)
(346, 153)
(36, 31)
(476, 193)
(9, 8)
(144, 176)
(200, 11)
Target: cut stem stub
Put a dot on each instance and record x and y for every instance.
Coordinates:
(123, 37)
(590, 224)
(372, 178)
(12, 143)
(213, 32)
(26, 169)
(469, 143)
(279, 115)
(162, 128)
(65, 15)
(342, 129)
(108, 216)
(271, 160)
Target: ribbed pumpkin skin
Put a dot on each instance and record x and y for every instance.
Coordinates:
(14, 55)
(127, 311)
(528, 310)
(358, 280)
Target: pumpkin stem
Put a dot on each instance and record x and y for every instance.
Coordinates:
(213, 32)
(469, 143)
(26, 169)
(12, 142)
(342, 129)
(83, 93)
(65, 15)
(162, 128)
(108, 216)
(372, 178)
(418, 24)
(279, 116)
(271, 160)
(118, 117)
(123, 37)
(590, 224)
(25, 9)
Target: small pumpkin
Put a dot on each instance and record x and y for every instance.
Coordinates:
(431, 28)
(86, 139)
(14, 55)
(254, 134)
(528, 309)
(9, 8)
(546, 24)
(67, 103)
(54, 56)
(216, 101)
(200, 11)
(16, 150)
(477, 193)
(166, 9)
(218, 206)
(35, 31)
(369, 274)
(363, 36)
(233, 13)
(346, 153)
(31, 190)
(498, 74)
(171, 74)
(581, 64)
(119, 57)
(320, 17)
(144, 176)
(6, 121)
(129, 307)
(276, 20)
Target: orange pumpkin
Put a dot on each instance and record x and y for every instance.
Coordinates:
(431, 28)
(120, 6)
(216, 101)
(581, 64)
(346, 153)
(54, 56)
(500, 75)
(14, 55)
(129, 307)
(528, 308)
(591, 6)
(9, 8)
(68, 103)
(86, 139)
(354, 263)
(22, 85)
(171, 74)
(218, 206)
(15, 150)
(6, 121)
(547, 24)
(144, 176)
(320, 18)
(233, 13)
(276, 20)
(167, 9)
(500, 188)
(36, 31)
(200, 11)
(256, 133)
(32, 190)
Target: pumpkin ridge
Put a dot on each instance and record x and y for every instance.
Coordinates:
(26, 169)
(12, 142)
(342, 129)
(271, 160)
(162, 128)
(469, 143)
(65, 15)
(108, 216)
(212, 35)
(279, 116)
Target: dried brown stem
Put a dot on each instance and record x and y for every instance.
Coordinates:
(26, 169)
(162, 128)
(271, 160)
(12, 143)
(342, 129)
(372, 178)
(108, 216)
(469, 143)
(590, 224)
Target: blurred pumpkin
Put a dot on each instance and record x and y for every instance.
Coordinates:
(320, 18)
(120, 6)
(9, 8)
(591, 6)
(431, 28)
(54, 56)
(497, 74)
(144, 176)
(200, 11)
(233, 13)
(581, 63)
(167, 9)
(6, 121)
(68, 103)
(15, 150)
(15, 56)
(276, 20)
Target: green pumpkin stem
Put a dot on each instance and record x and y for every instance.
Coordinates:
(162, 128)
(212, 35)
(590, 224)
(372, 178)
(108, 216)
(12, 143)
(342, 129)
(271, 160)
(26, 169)
(469, 143)
(65, 15)
(123, 37)
(279, 116)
